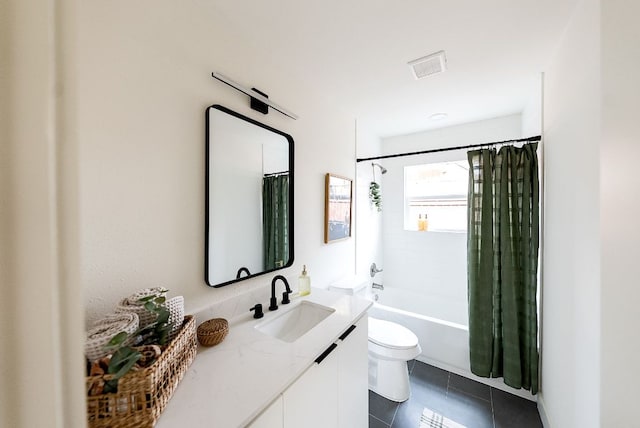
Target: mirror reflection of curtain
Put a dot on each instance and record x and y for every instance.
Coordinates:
(275, 220)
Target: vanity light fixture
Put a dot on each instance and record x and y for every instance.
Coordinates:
(259, 100)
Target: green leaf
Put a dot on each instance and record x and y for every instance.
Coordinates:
(110, 386)
(163, 337)
(122, 361)
(117, 340)
(160, 300)
(146, 330)
(163, 316)
(150, 306)
(147, 298)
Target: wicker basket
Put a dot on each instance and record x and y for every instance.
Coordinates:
(143, 395)
(212, 332)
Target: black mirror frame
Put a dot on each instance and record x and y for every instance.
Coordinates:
(207, 201)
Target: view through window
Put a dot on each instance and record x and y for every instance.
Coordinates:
(436, 197)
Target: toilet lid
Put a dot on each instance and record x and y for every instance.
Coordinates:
(391, 335)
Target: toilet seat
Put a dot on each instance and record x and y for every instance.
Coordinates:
(391, 335)
(391, 341)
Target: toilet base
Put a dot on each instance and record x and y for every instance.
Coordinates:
(389, 378)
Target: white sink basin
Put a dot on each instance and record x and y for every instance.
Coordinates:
(295, 322)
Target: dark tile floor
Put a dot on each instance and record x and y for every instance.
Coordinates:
(464, 401)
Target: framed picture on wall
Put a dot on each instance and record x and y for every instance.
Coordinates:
(337, 208)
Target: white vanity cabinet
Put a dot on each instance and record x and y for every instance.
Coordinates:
(271, 417)
(312, 401)
(353, 378)
(332, 393)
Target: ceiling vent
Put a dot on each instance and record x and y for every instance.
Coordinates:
(429, 65)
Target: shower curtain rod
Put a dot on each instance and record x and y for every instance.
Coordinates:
(273, 174)
(446, 149)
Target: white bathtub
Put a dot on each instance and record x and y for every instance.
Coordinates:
(439, 323)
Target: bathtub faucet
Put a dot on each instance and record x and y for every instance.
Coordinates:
(377, 286)
(373, 270)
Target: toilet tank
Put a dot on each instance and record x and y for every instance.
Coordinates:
(354, 286)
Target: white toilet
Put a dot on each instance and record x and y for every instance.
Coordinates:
(390, 347)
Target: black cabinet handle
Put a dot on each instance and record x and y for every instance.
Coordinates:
(326, 353)
(334, 345)
(347, 333)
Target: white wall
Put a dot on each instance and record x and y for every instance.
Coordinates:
(433, 263)
(532, 111)
(619, 210)
(484, 131)
(368, 221)
(144, 83)
(571, 259)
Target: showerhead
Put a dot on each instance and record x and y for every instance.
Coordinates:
(383, 170)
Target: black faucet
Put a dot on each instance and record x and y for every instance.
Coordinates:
(285, 296)
(258, 311)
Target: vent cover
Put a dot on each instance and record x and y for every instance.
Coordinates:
(429, 65)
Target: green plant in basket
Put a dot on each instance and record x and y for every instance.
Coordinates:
(156, 333)
(125, 357)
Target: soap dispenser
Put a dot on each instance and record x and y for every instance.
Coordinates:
(304, 282)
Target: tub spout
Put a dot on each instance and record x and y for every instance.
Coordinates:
(377, 286)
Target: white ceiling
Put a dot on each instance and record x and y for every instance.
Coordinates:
(356, 53)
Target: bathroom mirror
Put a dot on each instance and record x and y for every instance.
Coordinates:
(248, 198)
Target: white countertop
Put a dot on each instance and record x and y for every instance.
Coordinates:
(231, 383)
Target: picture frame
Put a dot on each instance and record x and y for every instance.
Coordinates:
(338, 208)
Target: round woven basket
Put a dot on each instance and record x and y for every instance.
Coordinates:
(132, 304)
(104, 330)
(212, 332)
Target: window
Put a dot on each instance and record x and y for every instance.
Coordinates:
(436, 197)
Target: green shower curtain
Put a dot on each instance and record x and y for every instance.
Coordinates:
(502, 261)
(275, 220)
